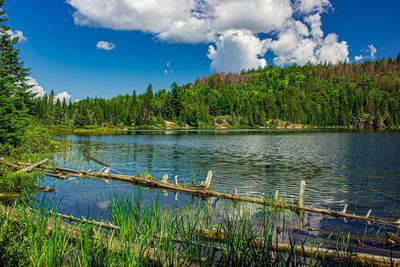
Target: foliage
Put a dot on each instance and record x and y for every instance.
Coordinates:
(15, 100)
(173, 234)
(12, 248)
(342, 95)
(35, 139)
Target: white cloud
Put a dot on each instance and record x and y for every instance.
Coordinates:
(63, 95)
(105, 45)
(309, 6)
(359, 58)
(332, 51)
(236, 50)
(238, 32)
(296, 45)
(36, 88)
(371, 51)
(16, 34)
(77, 100)
(169, 68)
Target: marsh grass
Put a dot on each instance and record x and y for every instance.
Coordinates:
(172, 234)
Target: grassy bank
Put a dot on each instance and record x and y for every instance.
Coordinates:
(146, 235)
(98, 130)
(36, 144)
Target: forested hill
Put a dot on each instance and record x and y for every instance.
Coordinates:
(363, 95)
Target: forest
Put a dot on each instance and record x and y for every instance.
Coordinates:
(346, 95)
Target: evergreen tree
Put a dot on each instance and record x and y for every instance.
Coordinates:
(14, 96)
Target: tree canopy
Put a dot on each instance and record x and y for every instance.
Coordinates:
(342, 95)
(15, 98)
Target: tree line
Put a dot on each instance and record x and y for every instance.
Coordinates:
(319, 95)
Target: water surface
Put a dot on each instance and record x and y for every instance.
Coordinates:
(361, 169)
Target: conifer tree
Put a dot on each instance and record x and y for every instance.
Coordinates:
(14, 96)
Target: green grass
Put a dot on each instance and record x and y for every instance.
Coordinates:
(173, 233)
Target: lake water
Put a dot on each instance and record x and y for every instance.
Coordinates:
(361, 169)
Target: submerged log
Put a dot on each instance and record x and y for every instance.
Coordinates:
(9, 195)
(32, 166)
(59, 176)
(301, 194)
(46, 189)
(203, 192)
(97, 161)
(388, 241)
(363, 259)
(76, 234)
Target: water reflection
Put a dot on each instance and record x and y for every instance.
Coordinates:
(361, 169)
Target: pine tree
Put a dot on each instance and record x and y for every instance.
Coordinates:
(14, 96)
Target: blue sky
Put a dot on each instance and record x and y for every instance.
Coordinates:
(166, 41)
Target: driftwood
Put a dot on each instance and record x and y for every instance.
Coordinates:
(110, 226)
(97, 161)
(46, 189)
(111, 243)
(9, 195)
(58, 176)
(213, 234)
(32, 166)
(203, 192)
(390, 241)
(311, 252)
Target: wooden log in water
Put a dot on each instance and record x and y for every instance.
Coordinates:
(96, 160)
(112, 243)
(388, 241)
(58, 176)
(301, 194)
(46, 189)
(394, 238)
(345, 208)
(203, 192)
(32, 166)
(9, 195)
(360, 259)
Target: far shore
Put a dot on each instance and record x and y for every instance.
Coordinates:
(94, 129)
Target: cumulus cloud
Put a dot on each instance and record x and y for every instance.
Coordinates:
(371, 54)
(16, 34)
(372, 51)
(36, 89)
(105, 45)
(235, 48)
(169, 68)
(297, 45)
(238, 32)
(61, 96)
(308, 6)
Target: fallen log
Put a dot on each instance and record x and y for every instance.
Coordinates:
(109, 225)
(32, 166)
(363, 259)
(76, 234)
(46, 189)
(97, 161)
(203, 192)
(388, 241)
(58, 176)
(9, 195)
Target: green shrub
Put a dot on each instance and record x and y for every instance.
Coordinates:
(12, 250)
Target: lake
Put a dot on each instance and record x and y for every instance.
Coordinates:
(361, 169)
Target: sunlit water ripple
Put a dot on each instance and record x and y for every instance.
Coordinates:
(361, 169)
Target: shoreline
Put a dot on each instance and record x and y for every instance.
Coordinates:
(114, 129)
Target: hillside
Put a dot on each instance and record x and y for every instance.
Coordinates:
(345, 95)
